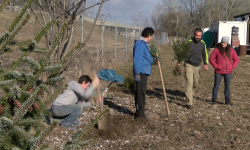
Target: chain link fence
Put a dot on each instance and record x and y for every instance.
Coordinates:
(110, 45)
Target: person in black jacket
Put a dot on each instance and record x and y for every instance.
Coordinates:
(192, 64)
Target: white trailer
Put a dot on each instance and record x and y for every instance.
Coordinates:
(224, 28)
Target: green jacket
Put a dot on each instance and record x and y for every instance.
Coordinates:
(198, 52)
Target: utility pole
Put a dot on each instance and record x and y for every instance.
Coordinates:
(115, 36)
(126, 38)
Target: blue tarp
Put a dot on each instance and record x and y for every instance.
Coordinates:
(109, 75)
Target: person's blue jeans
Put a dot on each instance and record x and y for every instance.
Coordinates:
(227, 80)
(69, 113)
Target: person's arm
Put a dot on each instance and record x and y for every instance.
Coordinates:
(205, 55)
(81, 93)
(235, 58)
(212, 57)
(138, 54)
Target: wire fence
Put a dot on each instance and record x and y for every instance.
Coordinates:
(110, 45)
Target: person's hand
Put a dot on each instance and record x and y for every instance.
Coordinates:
(156, 59)
(205, 67)
(138, 77)
(95, 81)
(99, 99)
(178, 63)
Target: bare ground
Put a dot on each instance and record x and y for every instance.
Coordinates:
(205, 126)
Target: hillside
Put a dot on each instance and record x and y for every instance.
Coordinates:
(206, 126)
(89, 53)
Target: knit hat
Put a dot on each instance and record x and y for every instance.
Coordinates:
(225, 39)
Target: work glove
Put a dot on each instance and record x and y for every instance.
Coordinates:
(156, 59)
(138, 77)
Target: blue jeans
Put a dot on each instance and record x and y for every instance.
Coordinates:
(227, 80)
(69, 113)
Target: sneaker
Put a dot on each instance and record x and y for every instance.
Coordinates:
(77, 122)
(188, 106)
(48, 120)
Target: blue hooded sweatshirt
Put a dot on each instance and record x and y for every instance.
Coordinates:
(142, 59)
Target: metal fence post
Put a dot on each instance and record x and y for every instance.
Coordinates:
(115, 37)
(126, 40)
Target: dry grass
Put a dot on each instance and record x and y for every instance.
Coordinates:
(85, 60)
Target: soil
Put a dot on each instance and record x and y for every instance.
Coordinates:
(205, 126)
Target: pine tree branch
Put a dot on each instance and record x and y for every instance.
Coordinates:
(4, 4)
(29, 121)
(54, 80)
(42, 137)
(32, 63)
(18, 62)
(44, 30)
(53, 68)
(4, 37)
(70, 53)
(2, 46)
(8, 127)
(28, 104)
(7, 82)
(13, 75)
(41, 51)
(78, 135)
(47, 59)
(55, 95)
(23, 42)
(18, 18)
(79, 144)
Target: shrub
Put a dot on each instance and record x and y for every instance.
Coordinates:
(153, 50)
(129, 81)
(181, 51)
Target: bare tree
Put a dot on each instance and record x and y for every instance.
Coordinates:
(64, 11)
(156, 16)
(138, 19)
(234, 7)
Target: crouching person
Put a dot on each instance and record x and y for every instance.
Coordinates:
(70, 104)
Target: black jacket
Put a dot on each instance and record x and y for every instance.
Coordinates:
(198, 52)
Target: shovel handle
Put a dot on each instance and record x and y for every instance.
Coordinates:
(99, 96)
(162, 82)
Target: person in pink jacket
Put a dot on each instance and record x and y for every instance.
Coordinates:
(224, 59)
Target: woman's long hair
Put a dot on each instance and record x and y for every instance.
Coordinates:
(227, 50)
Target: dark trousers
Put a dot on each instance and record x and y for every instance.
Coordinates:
(140, 94)
(227, 80)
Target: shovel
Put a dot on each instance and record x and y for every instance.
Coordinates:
(162, 82)
(103, 123)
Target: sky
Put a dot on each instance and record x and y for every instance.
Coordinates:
(123, 10)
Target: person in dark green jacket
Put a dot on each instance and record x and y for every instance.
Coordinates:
(192, 65)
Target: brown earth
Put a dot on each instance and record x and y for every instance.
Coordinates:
(205, 126)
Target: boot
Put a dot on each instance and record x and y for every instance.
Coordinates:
(213, 101)
(189, 106)
(227, 102)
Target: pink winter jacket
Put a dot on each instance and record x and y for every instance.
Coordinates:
(223, 65)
